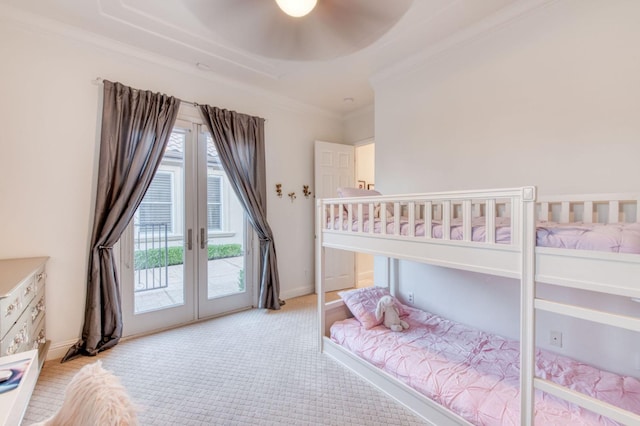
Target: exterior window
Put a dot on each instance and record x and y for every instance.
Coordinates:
(214, 203)
(156, 207)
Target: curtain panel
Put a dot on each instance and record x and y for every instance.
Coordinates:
(136, 126)
(239, 139)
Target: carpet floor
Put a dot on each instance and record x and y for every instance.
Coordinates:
(256, 367)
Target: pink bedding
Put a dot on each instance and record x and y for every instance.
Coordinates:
(476, 374)
(620, 237)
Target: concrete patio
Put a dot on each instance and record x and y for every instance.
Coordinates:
(223, 278)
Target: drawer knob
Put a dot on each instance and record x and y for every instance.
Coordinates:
(12, 307)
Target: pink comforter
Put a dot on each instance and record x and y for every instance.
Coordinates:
(619, 237)
(476, 374)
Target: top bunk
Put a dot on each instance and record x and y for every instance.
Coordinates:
(590, 242)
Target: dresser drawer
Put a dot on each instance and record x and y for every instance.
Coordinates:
(38, 335)
(29, 292)
(11, 307)
(17, 339)
(37, 307)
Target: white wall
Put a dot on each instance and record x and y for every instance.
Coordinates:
(49, 148)
(359, 125)
(550, 99)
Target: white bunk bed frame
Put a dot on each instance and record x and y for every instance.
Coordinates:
(611, 273)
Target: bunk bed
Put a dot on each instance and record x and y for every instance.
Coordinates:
(492, 232)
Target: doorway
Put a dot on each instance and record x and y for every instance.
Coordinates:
(339, 165)
(187, 254)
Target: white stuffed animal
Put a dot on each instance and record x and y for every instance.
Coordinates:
(387, 308)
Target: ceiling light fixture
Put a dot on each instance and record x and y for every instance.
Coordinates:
(297, 8)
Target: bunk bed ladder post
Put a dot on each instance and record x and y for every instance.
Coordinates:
(320, 266)
(526, 216)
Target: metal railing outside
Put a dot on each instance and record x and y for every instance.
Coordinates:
(151, 256)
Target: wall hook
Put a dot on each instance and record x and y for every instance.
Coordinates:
(292, 195)
(305, 190)
(279, 189)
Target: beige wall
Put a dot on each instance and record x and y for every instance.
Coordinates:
(49, 144)
(550, 99)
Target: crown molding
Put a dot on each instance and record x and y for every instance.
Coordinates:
(139, 20)
(48, 27)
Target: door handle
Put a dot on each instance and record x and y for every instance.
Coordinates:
(189, 239)
(203, 242)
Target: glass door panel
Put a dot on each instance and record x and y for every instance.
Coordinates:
(157, 268)
(158, 234)
(224, 265)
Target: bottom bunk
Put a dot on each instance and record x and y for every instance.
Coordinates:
(472, 373)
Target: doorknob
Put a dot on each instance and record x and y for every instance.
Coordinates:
(189, 239)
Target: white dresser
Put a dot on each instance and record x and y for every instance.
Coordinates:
(22, 306)
(23, 343)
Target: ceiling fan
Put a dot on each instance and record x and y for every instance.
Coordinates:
(322, 29)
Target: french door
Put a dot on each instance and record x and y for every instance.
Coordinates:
(188, 252)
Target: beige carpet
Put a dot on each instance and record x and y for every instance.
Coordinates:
(256, 367)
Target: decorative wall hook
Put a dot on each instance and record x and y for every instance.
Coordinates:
(279, 189)
(305, 190)
(292, 195)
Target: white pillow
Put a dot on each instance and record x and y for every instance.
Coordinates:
(357, 192)
(360, 192)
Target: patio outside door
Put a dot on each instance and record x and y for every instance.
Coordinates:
(187, 254)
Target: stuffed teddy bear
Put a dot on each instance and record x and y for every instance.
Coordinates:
(387, 308)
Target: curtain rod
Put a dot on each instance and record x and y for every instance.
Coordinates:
(99, 80)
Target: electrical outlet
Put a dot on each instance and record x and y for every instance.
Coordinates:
(555, 338)
(410, 298)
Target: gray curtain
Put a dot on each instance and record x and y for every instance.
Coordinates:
(239, 139)
(136, 126)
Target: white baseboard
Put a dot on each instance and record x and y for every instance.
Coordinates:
(59, 349)
(297, 292)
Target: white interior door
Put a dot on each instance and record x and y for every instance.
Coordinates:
(335, 168)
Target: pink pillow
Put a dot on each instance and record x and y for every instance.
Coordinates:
(362, 303)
